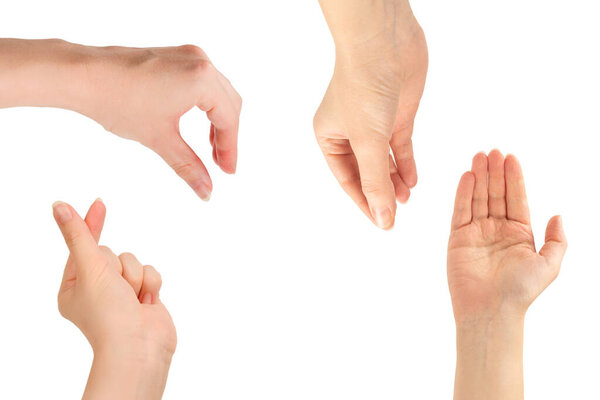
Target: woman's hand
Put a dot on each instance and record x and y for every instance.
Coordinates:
(141, 94)
(136, 93)
(115, 302)
(493, 266)
(371, 103)
(494, 273)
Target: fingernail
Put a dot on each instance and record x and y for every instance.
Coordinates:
(100, 200)
(203, 193)
(383, 218)
(147, 299)
(62, 213)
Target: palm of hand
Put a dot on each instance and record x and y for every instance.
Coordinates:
(368, 110)
(492, 261)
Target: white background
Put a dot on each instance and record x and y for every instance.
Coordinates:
(279, 287)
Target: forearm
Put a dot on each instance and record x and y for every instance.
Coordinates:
(124, 374)
(43, 73)
(489, 360)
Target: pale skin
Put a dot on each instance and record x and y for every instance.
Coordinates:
(494, 274)
(364, 124)
(135, 93)
(115, 302)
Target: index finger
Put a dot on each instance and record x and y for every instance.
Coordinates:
(222, 105)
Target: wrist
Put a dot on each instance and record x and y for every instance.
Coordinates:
(128, 372)
(489, 331)
(489, 357)
(382, 25)
(138, 350)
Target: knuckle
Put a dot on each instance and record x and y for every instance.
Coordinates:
(73, 237)
(153, 274)
(202, 69)
(192, 50)
(126, 254)
(371, 188)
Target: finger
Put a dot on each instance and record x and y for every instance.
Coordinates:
(79, 240)
(95, 217)
(150, 285)
(111, 259)
(516, 196)
(496, 186)
(401, 190)
(480, 192)
(463, 202)
(343, 165)
(372, 155)
(224, 114)
(404, 157)
(233, 94)
(187, 165)
(556, 242)
(133, 272)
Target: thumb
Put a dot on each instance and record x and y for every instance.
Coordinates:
(556, 242)
(79, 240)
(372, 155)
(187, 165)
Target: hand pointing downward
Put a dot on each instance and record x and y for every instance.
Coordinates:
(141, 94)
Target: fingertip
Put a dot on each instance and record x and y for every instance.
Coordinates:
(403, 196)
(411, 179)
(557, 221)
(511, 162)
(227, 160)
(203, 189)
(468, 178)
(384, 217)
(480, 159)
(99, 204)
(62, 212)
(204, 194)
(495, 153)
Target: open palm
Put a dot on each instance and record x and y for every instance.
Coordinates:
(492, 261)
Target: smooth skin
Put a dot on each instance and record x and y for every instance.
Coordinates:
(494, 274)
(115, 303)
(135, 93)
(365, 122)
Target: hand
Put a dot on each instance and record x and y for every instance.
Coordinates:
(141, 94)
(494, 274)
(138, 94)
(493, 267)
(370, 107)
(115, 302)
